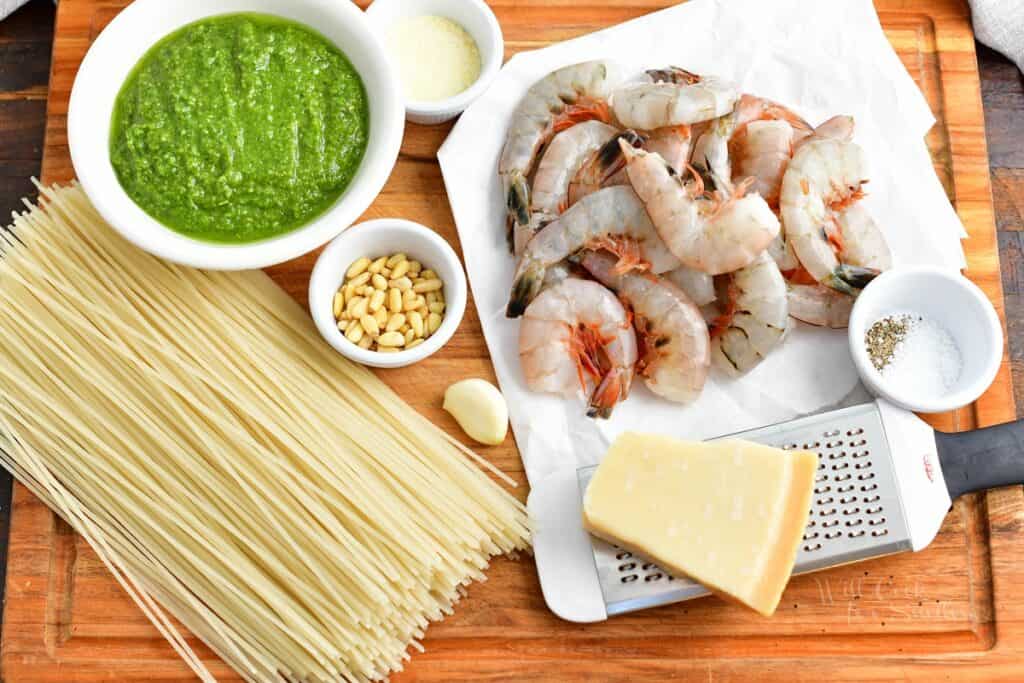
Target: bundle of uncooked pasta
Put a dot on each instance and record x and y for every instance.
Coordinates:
(230, 469)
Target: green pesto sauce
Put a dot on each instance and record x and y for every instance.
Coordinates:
(239, 127)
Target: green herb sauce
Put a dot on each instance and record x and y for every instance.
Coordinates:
(239, 127)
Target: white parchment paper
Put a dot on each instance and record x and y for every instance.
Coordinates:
(821, 59)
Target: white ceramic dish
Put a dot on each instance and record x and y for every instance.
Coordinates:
(374, 239)
(120, 46)
(478, 20)
(952, 301)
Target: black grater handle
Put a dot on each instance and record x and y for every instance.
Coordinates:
(983, 459)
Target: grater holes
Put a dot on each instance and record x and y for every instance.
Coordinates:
(789, 447)
(856, 431)
(820, 478)
(624, 555)
(654, 577)
(837, 456)
(812, 445)
(833, 534)
(843, 477)
(825, 501)
(628, 567)
(854, 522)
(873, 499)
(840, 466)
(856, 534)
(811, 536)
(869, 487)
(812, 548)
(845, 489)
(829, 524)
(877, 522)
(861, 454)
(822, 489)
(858, 442)
(865, 476)
(630, 578)
(827, 513)
(862, 465)
(879, 532)
(830, 433)
(848, 499)
(821, 465)
(649, 566)
(874, 510)
(851, 511)
(833, 444)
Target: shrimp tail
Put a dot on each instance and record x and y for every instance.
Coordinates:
(673, 74)
(518, 198)
(850, 279)
(525, 289)
(612, 389)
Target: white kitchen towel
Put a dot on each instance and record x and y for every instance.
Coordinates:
(1000, 25)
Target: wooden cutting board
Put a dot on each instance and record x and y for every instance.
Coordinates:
(953, 611)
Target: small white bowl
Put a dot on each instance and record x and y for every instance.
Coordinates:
(478, 20)
(133, 32)
(374, 239)
(952, 301)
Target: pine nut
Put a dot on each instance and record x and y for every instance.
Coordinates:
(428, 275)
(437, 308)
(381, 314)
(434, 322)
(396, 259)
(415, 343)
(354, 332)
(378, 265)
(339, 304)
(357, 268)
(376, 300)
(394, 301)
(400, 269)
(428, 286)
(395, 322)
(365, 343)
(379, 281)
(401, 283)
(360, 308)
(361, 280)
(416, 322)
(414, 268)
(409, 336)
(391, 339)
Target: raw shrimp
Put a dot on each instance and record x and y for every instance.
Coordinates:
(711, 155)
(605, 167)
(672, 143)
(697, 285)
(715, 235)
(562, 159)
(671, 332)
(751, 108)
(576, 340)
(673, 97)
(570, 95)
(761, 150)
(833, 236)
(820, 305)
(755, 317)
(613, 219)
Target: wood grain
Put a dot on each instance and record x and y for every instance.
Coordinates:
(952, 611)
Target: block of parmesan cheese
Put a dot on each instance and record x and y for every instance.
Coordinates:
(728, 514)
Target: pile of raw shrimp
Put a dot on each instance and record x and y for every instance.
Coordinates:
(669, 223)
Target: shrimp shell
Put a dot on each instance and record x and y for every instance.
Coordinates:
(820, 305)
(606, 167)
(706, 234)
(757, 317)
(577, 92)
(646, 106)
(675, 345)
(613, 218)
(560, 162)
(576, 339)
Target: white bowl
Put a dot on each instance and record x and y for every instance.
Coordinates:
(374, 239)
(478, 20)
(952, 301)
(124, 42)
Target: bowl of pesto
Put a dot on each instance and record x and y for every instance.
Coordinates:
(235, 134)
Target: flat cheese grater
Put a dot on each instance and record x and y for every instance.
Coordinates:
(884, 484)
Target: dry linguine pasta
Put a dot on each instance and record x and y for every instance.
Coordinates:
(229, 468)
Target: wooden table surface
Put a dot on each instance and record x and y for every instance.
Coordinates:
(25, 42)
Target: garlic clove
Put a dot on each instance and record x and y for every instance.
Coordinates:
(480, 409)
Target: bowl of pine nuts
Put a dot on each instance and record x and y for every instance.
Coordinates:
(388, 293)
